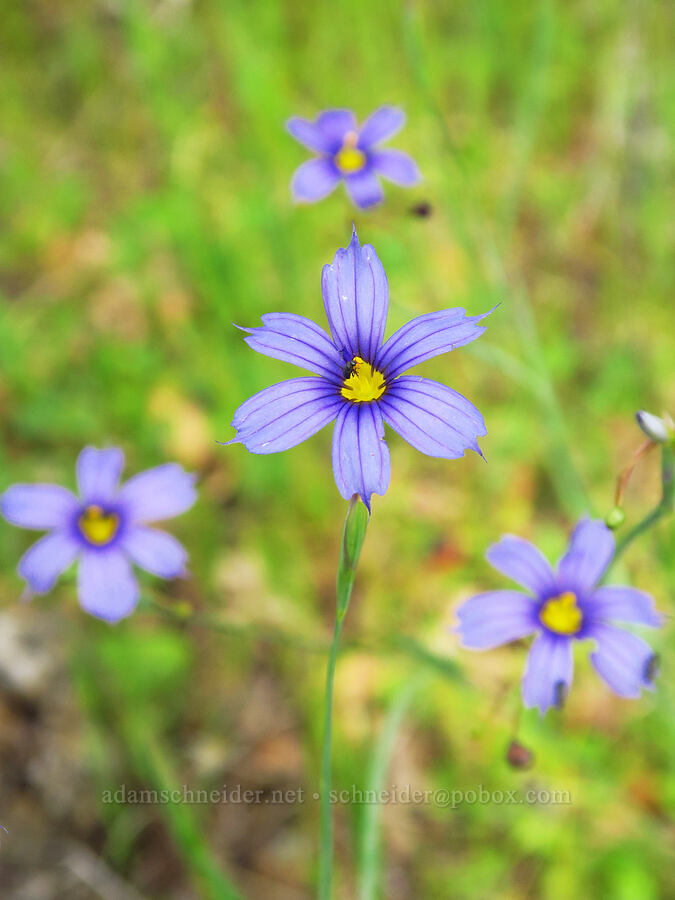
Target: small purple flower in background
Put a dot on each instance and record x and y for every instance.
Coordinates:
(563, 607)
(350, 154)
(360, 383)
(105, 529)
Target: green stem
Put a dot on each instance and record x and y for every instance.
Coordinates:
(353, 534)
(644, 525)
(326, 839)
(665, 507)
(369, 850)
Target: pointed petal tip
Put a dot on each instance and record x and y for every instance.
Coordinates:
(488, 313)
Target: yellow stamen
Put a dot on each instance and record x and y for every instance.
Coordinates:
(561, 614)
(349, 158)
(97, 526)
(364, 384)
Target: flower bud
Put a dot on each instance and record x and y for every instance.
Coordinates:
(615, 518)
(660, 430)
(518, 756)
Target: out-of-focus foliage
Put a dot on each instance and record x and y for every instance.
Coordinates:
(144, 174)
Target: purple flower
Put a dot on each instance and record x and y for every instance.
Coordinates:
(350, 154)
(360, 383)
(562, 607)
(105, 529)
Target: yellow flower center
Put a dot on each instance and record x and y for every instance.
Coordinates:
(561, 614)
(349, 158)
(363, 383)
(98, 526)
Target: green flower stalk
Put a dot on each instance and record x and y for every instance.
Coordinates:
(353, 535)
(660, 433)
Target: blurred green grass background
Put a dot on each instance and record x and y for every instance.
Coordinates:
(144, 173)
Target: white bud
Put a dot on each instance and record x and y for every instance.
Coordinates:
(658, 429)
